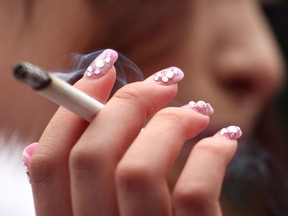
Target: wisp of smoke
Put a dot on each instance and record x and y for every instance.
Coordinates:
(127, 71)
(254, 179)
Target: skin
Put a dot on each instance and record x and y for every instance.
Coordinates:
(33, 31)
(212, 42)
(136, 178)
(220, 47)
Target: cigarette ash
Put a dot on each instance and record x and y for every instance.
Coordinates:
(127, 71)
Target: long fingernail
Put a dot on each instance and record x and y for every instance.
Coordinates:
(26, 155)
(102, 64)
(200, 107)
(231, 132)
(168, 76)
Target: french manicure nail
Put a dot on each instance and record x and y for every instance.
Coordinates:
(26, 155)
(201, 107)
(231, 132)
(102, 64)
(168, 76)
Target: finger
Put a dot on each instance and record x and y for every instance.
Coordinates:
(198, 188)
(49, 173)
(94, 157)
(141, 174)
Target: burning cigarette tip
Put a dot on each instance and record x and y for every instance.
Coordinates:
(32, 75)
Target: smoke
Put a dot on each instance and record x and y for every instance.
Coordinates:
(255, 181)
(127, 71)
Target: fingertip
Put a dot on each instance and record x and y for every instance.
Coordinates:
(167, 77)
(231, 132)
(27, 153)
(101, 65)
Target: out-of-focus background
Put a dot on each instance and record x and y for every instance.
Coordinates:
(277, 14)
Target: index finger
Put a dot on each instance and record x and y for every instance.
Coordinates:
(48, 168)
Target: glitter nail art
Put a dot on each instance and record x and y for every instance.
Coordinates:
(231, 132)
(102, 64)
(169, 76)
(201, 107)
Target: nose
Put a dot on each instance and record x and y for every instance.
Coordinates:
(249, 71)
(247, 60)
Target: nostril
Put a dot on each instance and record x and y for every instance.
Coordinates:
(249, 70)
(240, 86)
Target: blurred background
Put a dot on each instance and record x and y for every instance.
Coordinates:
(277, 14)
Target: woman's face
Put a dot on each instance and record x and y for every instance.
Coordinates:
(230, 60)
(224, 47)
(227, 52)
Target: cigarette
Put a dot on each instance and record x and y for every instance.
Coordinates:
(57, 90)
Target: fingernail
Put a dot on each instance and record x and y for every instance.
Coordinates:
(102, 64)
(168, 76)
(26, 155)
(200, 107)
(231, 132)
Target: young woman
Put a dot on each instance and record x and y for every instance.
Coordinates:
(109, 167)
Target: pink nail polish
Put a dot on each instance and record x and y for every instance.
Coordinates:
(201, 107)
(26, 155)
(231, 132)
(168, 76)
(102, 64)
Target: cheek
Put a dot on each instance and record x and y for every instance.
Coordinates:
(148, 30)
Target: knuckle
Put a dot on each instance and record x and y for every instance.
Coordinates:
(128, 93)
(194, 198)
(41, 167)
(211, 148)
(131, 177)
(138, 96)
(171, 115)
(223, 150)
(176, 121)
(82, 159)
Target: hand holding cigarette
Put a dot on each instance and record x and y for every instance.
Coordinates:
(107, 166)
(57, 90)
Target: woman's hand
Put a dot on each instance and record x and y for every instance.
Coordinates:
(113, 167)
